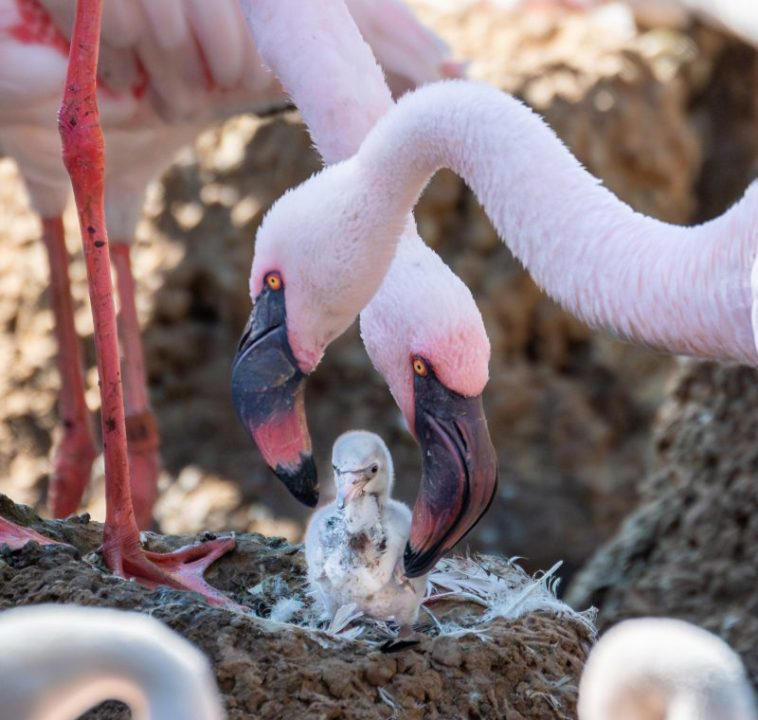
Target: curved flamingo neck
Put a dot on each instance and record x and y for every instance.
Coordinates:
(59, 662)
(664, 668)
(685, 290)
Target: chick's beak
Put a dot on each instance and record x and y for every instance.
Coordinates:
(268, 390)
(350, 488)
(459, 472)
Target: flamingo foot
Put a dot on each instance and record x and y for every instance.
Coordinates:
(17, 536)
(72, 469)
(144, 465)
(182, 569)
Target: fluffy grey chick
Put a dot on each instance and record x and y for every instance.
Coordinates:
(354, 546)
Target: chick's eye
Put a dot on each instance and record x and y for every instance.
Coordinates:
(420, 367)
(374, 469)
(273, 280)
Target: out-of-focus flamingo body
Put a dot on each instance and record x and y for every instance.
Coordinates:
(656, 668)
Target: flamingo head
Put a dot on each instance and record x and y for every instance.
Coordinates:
(312, 274)
(426, 337)
(362, 466)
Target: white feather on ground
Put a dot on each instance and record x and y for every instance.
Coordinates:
(508, 593)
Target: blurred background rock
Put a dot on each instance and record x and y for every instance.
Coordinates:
(667, 116)
(689, 549)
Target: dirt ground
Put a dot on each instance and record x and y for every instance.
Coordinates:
(266, 668)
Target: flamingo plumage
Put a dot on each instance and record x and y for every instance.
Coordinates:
(664, 669)
(60, 661)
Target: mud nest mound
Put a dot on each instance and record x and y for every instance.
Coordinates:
(470, 661)
(689, 549)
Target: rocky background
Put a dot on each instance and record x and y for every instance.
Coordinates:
(666, 116)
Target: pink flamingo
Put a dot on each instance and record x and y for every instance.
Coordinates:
(166, 71)
(83, 156)
(684, 290)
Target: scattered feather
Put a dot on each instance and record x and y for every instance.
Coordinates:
(507, 593)
(387, 698)
(509, 596)
(285, 608)
(344, 616)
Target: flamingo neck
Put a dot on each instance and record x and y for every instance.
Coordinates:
(663, 668)
(684, 290)
(339, 88)
(58, 662)
(120, 669)
(364, 512)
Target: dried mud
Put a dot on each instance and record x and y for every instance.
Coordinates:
(525, 669)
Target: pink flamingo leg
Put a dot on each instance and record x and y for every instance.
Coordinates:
(141, 428)
(72, 465)
(83, 155)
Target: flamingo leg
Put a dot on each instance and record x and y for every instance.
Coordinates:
(141, 429)
(83, 156)
(74, 455)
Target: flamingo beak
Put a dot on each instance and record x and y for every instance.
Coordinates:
(268, 389)
(459, 472)
(351, 490)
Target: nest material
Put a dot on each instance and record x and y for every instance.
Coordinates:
(500, 644)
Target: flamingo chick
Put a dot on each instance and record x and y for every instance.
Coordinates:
(354, 545)
(664, 669)
(60, 661)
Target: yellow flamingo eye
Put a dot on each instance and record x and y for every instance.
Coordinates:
(420, 367)
(273, 280)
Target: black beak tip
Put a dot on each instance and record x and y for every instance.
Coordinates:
(417, 562)
(302, 482)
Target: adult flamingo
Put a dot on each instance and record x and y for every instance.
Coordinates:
(84, 161)
(60, 661)
(684, 290)
(659, 668)
(166, 71)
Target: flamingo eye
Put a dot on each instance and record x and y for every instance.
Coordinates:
(374, 469)
(273, 280)
(420, 367)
